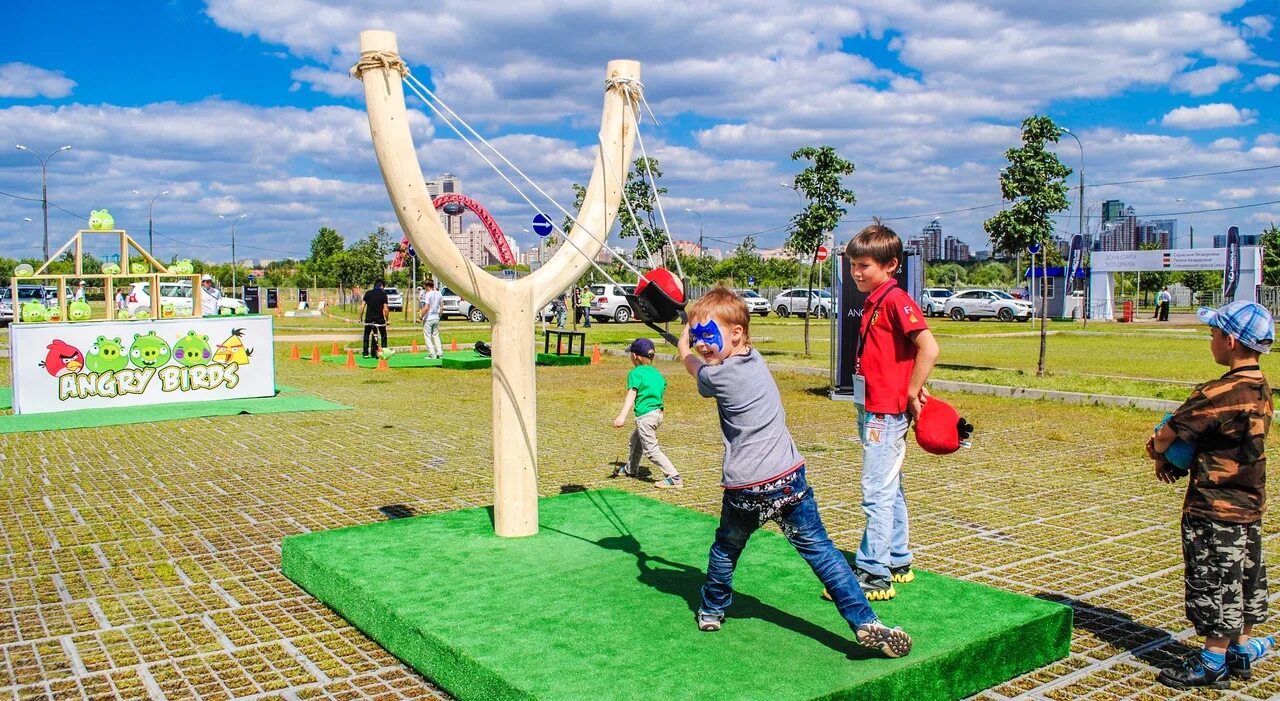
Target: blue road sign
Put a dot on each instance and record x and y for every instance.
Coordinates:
(542, 225)
(1033, 248)
(751, 279)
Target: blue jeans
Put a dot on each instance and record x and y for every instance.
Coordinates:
(884, 445)
(790, 502)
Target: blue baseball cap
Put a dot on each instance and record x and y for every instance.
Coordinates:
(1249, 322)
(641, 346)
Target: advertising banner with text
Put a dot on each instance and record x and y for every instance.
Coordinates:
(102, 364)
(1176, 259)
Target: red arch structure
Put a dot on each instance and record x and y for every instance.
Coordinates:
(495, 231)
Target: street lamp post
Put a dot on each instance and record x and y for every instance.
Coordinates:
(1080, 207)
(151, 223)
(701, 250)
(44, 189)
(233, 249)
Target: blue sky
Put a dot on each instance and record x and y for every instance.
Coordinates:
(241, 106)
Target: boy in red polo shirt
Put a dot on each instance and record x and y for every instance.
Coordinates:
(896, 353)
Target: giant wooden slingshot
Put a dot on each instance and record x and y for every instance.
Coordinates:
(510, 304)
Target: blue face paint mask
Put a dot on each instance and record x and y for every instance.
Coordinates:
(707, 333)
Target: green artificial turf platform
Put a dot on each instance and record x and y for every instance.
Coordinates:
(286, 399)
(600, 605)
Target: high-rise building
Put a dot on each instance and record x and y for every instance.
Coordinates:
(931, 240)
(956, 250)
(1112, 210)
(1220, 240)
(447, 184)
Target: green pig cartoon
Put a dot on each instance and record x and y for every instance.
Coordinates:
(148, 351)
(79, 311)
(192, 350)
(182, 267)
(123, 314)
(142, 314)
(106, 354)
(34, 311)
(101, 220)
(139, 268)
(111, 269)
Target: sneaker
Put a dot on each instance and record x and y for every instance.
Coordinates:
(621, 471)
(876, 587)
(893, 642)
(1192, 672)
(676, 482)
(903, 574)
(708, 622)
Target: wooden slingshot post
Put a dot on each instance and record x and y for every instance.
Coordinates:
(511, 304)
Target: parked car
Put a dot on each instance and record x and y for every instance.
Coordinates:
(610, 303)
(934, 299)
(975, 304)
(26, 293)
(450, 304)
(177, 293)
(755, 303)
(395, 300)
(477, 315)
(794, 301)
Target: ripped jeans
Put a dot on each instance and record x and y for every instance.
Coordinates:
(789, 501)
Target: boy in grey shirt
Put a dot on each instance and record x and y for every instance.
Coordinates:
(763, 472)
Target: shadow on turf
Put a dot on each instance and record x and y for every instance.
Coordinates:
(685, 581)
(1153, 646)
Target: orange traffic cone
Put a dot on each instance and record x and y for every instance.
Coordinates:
(453, 346)
(382, 363)
(414, 347)
(293, 351)
(351, 359)
(595, 354)
(335, 348)
(315, 354)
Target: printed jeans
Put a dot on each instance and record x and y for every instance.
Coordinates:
(1224, 575)
(644, 441)
(431, 330)
(788, 501)
(884, 445)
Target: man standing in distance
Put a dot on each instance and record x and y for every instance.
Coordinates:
(430, 310)
(375, 311)
(209, 296)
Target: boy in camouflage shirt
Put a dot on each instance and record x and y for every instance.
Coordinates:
(1226, 421)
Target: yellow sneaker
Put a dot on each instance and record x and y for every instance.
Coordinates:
(903, 574)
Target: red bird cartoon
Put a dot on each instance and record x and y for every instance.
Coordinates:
(62, 359)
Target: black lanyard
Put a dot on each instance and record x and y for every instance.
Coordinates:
(862, 335)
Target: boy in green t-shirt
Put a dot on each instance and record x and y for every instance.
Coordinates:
(645, 387)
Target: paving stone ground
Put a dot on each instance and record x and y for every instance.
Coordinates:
(143, 561)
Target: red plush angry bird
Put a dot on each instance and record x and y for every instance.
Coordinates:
(940, 429)
(62, 359)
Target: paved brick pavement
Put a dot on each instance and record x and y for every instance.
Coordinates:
(143, 561)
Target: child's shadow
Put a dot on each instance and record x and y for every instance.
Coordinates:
(685, 581)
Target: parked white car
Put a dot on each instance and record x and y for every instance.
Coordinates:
(934, 299)
(610, 303)
(177, 293)
(477, 315)
(975, 304)
(794, 301)
(755, 303)
(395, 300)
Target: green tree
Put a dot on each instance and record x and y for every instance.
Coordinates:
(822, 184)
(1200, 282)
(950, 275)
(991, 274)
(1152, 281)
(640, 220)
(1035, 182)
(1270, 239)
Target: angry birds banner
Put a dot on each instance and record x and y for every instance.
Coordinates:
(111, 364)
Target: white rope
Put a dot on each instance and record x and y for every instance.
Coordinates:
(410, 82)
(419, 89)
(622, 186)
(653, 183)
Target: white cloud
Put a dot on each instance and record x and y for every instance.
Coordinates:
(1205, 81)
(23, 80)
(1215, 115)
(1239, 193)
(330, 82)
(1266, 82)
(1258, 26)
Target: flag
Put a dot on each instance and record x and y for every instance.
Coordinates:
(1231, 274)
(1074, 259)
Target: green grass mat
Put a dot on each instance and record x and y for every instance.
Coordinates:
(563, 360)
(466, 360)
(600, 604)
(284, 401)
(6, 397)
